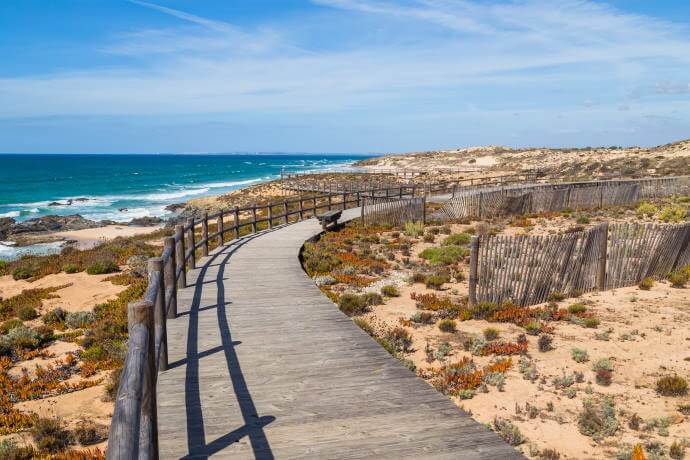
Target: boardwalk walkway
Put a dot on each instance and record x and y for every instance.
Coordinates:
(264, 366)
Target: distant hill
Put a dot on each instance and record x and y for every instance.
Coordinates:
(588, 162)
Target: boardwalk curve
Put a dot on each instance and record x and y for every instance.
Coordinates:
(263, 365)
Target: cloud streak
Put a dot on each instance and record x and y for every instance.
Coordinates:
(425, 58)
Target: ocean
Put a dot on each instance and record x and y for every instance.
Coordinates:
(123, 187)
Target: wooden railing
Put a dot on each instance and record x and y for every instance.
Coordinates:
(133, 432)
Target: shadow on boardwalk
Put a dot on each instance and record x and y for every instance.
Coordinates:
(253, 427)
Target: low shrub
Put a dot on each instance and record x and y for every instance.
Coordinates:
(603, 363)
(457, 239)
(372, 298)
(444, 255)
(325, 280)
(422, 317)
(50, 436)
(672, 214)
(418, 277)
(646, 284)
(102, 267)
(598, 418)
(390, 290)
(436, 281)
(26, 313)
(80, 319)
(352, 304)
(582, 220)
(400, 338)
(677, 450)
(545, 343)
(447, 325)
(22, 273)
(429, 238)
(54, 317)
(646, 210)
(678, 279)
(10, 324)
(672, 385)
(556, 296)
(590, 322)
(490, 333)
(579, 355)
(533, 327)
(87, 433)
(71, 268)
(508, 432)
(11, 451)
(604, 377)
(20, 338)
(577, 308)
(414, 229)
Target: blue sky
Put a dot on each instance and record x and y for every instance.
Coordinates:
(340, 75)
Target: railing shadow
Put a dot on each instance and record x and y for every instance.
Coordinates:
(253, 427)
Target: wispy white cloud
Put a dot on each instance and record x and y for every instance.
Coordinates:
(512, 56)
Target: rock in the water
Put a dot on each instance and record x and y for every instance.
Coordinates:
(52, 224)
(122, 209)
(145, 221)
(6, 224)
(175, 207)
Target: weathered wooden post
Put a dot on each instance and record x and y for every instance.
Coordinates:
(220, 228)
(330, 201)
(141, 314)
(301, 208)
(401, 193)
(254, 218)
(314, 209)
(236, 221)
(474, 261)
(603, 248)
(344, 200)
(157, 275)
(180, 257)
(170, 279)
(424, 210)
(285, 211)
(359, 199)
(270, 215)
(414, 189)
(204, 235)
(192, 243)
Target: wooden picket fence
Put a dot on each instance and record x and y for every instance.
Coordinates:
(394, 212)
(487, 202)
(528, 269)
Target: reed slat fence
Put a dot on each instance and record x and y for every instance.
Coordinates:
(487, 202)
(394, 212)
(527, 269)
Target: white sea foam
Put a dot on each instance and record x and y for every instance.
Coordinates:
(11, 252)
(10, 214)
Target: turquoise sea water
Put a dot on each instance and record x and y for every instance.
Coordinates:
(123, 187)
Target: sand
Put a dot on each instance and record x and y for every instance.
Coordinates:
(85, 291)
(91, 237)
(648, 338)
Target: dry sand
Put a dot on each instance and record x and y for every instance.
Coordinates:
(91, 237)
(85, 291)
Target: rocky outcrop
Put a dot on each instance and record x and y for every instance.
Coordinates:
(145, 221)
(175, 207)
(6, 224)
(52, 224)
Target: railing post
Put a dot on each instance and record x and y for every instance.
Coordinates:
(142, 313)
(330, 201)
(254, 218)
(220, 228)
(603, 248)
(359, 199)
(180, 258)
(314, 210)
(301, 208)
(170, 280)
(474, 261)
(270, 215)
(155, 267)
(204, 235)
(285, 211)
(192, 243)
(236, 221)
(424, 210)
(344, 200)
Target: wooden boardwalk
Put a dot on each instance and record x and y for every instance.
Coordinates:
(264, 366)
